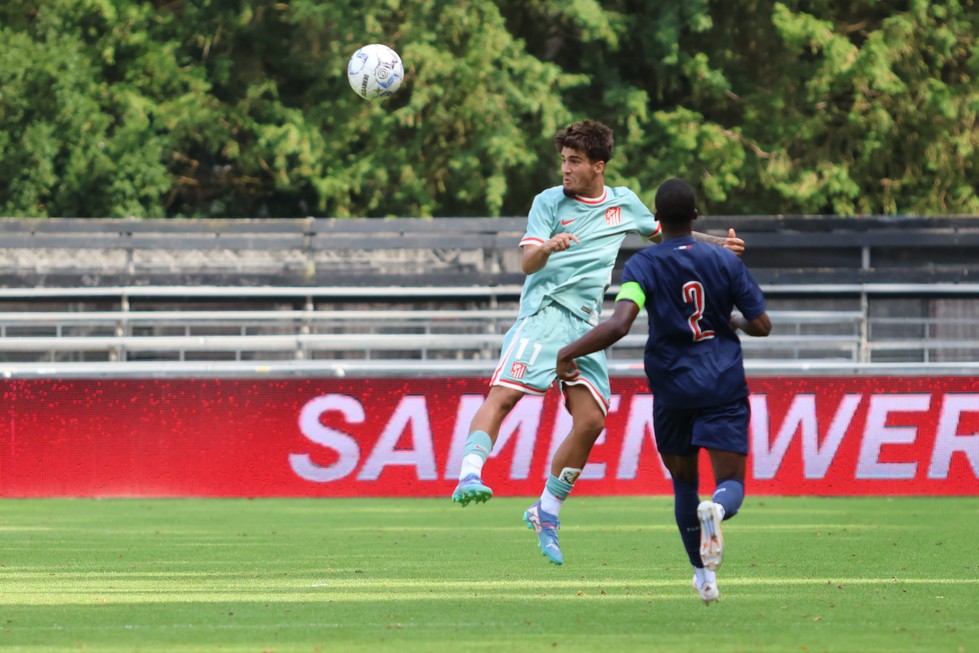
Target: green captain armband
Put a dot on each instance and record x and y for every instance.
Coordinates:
(633, 292)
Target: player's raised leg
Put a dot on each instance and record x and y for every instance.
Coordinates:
(729, 470)
(710, 515)
(484, 430)
(471, 487)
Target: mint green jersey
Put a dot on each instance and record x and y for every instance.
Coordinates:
(578, 277)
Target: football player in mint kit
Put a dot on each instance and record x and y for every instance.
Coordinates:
(573, 236)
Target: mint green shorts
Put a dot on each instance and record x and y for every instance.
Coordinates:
(529, 358)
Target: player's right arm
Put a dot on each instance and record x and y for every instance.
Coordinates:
(541, 241)
(535, 256)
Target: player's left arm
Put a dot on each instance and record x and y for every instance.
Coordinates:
(732, 242)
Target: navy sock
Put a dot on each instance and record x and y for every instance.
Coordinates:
(729, 494)
(685, 505)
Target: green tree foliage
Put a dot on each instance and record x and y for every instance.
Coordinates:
(78, 135)
(849, 107)
(288, 136)
(889, 110)
(209, 108)
(221, 109)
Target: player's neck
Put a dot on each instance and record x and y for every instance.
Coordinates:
(594, 191)
(677, 230)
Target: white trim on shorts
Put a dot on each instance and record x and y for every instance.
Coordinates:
(591, 388)
(526, 389)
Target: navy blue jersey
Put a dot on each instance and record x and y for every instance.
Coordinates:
(693, 356)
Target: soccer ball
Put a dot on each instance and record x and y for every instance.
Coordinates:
(375, 70)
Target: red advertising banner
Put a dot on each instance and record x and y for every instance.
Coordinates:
(404, 437)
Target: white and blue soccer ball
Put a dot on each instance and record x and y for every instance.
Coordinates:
(375, 71)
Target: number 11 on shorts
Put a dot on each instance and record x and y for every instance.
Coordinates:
(523, 348)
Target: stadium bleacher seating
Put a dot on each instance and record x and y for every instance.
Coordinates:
(850, 291)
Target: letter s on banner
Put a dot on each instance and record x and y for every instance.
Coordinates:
(344, 444)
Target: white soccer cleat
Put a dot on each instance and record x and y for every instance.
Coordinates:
(708, 591)
(711, 540)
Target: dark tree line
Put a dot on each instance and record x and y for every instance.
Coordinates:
(160, 109)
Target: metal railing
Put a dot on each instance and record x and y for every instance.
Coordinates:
(326, 329)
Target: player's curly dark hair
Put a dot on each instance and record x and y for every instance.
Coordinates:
(676, 202)
(589, 136)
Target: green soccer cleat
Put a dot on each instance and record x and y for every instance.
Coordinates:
(545, 525)
(471, 489)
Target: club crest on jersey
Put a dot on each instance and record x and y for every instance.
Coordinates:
(613, 216)
(518, 370)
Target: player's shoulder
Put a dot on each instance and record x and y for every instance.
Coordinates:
(552, 195)
(547, 203)
(710, 250)
(647, 253)
(623, 193)
(723, 258)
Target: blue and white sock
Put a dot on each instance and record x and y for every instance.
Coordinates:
(477, 450)
(554, 494)
(729, 495)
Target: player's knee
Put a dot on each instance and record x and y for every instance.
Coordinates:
(591, 425)
(682, 467)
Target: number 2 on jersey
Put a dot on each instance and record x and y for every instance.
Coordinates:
(693, 293)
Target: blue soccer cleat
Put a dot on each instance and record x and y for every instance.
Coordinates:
(545, 525)
(471, 489)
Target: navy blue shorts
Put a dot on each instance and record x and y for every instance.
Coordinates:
(682, 432)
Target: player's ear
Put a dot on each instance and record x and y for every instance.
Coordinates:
(695, 214)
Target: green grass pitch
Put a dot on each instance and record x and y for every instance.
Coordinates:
(283, 575)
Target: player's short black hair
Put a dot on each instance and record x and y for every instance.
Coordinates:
(589, 136)
(676, 202)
